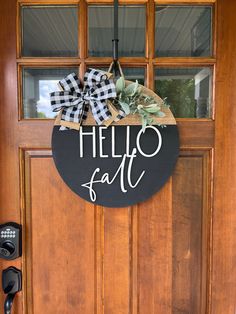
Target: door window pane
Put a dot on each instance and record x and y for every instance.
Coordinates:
(133, 74)
(183, 31)
(49, 31)
(188, 90)
(132, 22)
(130, 74)
(37, 84)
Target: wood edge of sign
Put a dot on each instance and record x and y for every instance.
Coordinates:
(135, 119)
(132, 119)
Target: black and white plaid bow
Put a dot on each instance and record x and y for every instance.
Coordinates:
(75, 100)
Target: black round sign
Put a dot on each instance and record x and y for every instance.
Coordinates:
(116, 166)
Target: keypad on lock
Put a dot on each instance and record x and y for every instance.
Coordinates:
(8, 234)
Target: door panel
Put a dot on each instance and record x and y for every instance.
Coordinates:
(191, 225)
(173, 242)
(149, 257)
(117, 256)
(59, 241)
(224, 198)
(155, 253)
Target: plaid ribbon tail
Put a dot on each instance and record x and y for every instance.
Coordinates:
(120, 116)
(100, 111)
(72, 115)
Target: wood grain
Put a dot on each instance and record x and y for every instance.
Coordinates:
(179, 2)
(9, 170)
(83, 38)
(121, 260)
(150, 42)
(224, 219)
(155, 253)
(116, 256)
(192, 133)
(99, 2)
(99, 262)
(190, 232)
(46, 2)
(187, 61)
(52, 61)
(123, 60)
(60, 232)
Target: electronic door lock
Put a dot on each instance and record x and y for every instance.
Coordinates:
(10, 240)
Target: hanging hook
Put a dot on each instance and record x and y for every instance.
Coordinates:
(115, 65)
(115, 40)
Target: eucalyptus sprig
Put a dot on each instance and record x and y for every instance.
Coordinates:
(132, 101)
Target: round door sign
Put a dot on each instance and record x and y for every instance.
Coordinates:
(116, 166)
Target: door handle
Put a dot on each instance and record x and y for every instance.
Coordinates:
(8, 303)
(11, 284)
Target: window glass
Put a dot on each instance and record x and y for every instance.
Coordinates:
(183, 31)
(37, 84)
(188, 90)
(133, 74)
(49, 31)
(132, 22)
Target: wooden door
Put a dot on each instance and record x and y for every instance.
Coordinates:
(174, 253)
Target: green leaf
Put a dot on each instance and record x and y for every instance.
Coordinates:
(144, 123)
(120, 85)
(165, 103)
(149, 121)
(153, 106)
(160, 114)
(132, 100)
(152, 109)
(125, 107)
(131, 89)
(139, 89)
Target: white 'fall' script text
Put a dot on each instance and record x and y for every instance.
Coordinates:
(128, 157)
